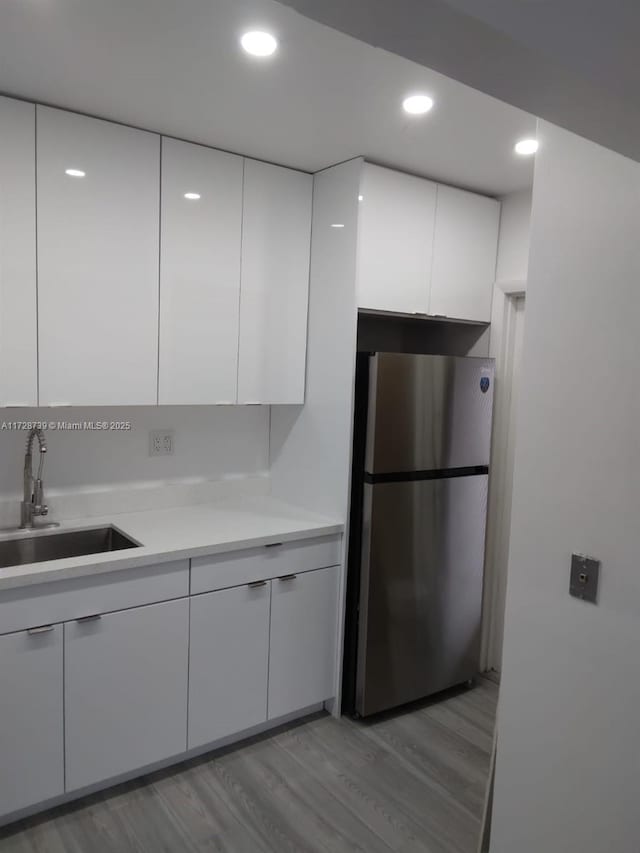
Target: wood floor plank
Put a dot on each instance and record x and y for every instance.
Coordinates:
(408, 782)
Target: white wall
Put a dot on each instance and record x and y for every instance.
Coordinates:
(210, 443)
(513, 242)
(567, 775)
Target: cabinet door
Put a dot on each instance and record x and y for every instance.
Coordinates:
(98, 245)
(199, 274)
(125, 690)
(18, 343)
(276, 237)
(395, 240)
(31, 724)
(303, 640)
(228, 662)
(464, 255)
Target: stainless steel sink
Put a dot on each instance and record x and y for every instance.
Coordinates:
(56, 546)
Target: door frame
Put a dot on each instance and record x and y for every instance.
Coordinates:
(503, 320)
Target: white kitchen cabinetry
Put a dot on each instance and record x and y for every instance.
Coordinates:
(464, 255)
(31, 721)
(18, 324)
(126, 677)
(98, 247)
(199, 274)
(274, 287)
(425, 248)
(302, 647)
(228, 661)
(395, 240)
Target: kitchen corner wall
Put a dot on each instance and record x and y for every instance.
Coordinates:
(212, 443)
(311, 445)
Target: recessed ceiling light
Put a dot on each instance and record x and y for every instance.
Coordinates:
(337, 224)
(75, 173)
(259, 43)
(417, 104)
(192, 196)
(360, 197)
(526, 146)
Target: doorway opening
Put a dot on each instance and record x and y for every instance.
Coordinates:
(508, 351)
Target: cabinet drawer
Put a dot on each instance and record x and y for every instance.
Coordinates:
(268, 561)
(61, 601)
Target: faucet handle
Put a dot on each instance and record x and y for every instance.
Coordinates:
(39, 507)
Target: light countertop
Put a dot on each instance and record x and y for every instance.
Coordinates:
(173, 534)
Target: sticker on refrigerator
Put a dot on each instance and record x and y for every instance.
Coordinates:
(484, 384)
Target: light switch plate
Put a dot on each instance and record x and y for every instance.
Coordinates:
(585, 574)
(161, 442)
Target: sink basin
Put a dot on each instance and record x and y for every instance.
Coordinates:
(57, 546)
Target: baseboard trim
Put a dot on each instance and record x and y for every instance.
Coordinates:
(42, 809)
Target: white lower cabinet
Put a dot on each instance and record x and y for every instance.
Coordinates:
(126, 685)
(86, 700)
(302, 649)
(228, 661)
(31, 718)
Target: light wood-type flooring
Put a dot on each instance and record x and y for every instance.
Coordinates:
(411, 781)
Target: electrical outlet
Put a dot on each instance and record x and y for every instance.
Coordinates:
(161, 442)
(585, 573)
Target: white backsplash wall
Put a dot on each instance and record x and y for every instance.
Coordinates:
(217, 449)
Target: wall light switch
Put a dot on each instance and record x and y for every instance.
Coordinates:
(585, 573)
(161, 442)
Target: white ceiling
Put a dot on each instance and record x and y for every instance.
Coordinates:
(175, 66)
(597, 38)
(571, 62)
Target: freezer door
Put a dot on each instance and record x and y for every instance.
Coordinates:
(428, 412)
(421, 589)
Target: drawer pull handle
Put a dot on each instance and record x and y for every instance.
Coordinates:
(41, 629)
(273, 545)
(288, 577)
(93, 618)
(256, 584)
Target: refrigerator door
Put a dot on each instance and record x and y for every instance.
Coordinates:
(428, 412)
(421, 589)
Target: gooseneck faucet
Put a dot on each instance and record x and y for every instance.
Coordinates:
(33, 504)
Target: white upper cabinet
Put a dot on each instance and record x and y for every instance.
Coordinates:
(18, 324)
(395, 241)
(201, 229)
(274, 292)
(98, 249)
(464, 255)
(107, 299)
(425, 248)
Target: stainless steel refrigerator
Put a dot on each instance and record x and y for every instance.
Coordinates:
(418, 517)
